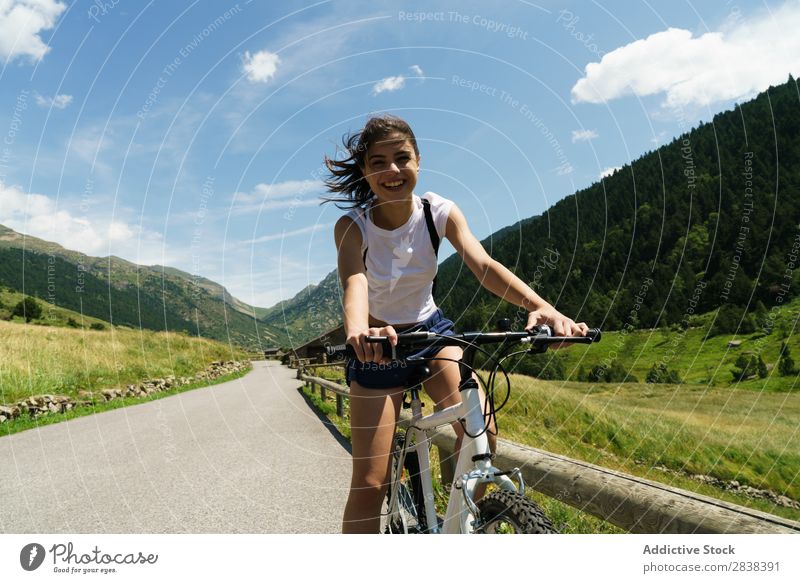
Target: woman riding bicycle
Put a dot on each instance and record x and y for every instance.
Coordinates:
(387, 263)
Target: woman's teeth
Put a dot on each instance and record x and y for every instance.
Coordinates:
(394, 185)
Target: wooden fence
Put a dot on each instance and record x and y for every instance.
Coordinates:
(629, 502)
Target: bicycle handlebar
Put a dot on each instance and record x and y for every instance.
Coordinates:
(540, 337)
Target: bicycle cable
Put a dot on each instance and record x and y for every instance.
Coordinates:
(490, 409)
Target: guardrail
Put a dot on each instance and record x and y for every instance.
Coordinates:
(629, 502)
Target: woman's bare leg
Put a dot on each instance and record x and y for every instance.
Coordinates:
(373, 414)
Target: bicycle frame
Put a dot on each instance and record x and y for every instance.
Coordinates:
(473, 466)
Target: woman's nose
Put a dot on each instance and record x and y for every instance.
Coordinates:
(393, 167)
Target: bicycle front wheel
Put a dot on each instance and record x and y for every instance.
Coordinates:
(506, 512)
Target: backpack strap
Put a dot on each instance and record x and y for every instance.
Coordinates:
(426, 206)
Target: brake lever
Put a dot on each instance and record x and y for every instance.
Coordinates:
(538, 331)
(593, 335)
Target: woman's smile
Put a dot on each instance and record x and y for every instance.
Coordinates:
(394, 185)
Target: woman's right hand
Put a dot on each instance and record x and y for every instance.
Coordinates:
(369, 351)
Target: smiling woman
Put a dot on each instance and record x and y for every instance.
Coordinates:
(387, 248)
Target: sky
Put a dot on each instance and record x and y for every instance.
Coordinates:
(192, 134)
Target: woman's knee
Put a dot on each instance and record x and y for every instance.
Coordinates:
(369, 487)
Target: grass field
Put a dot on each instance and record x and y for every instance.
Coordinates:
(665, 433)
(697, 358)
(60, 360)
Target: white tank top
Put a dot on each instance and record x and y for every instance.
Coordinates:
(401, 263)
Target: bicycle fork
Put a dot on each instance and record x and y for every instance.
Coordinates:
(474, 460)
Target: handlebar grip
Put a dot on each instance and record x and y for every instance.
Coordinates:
(340, 351)
(595, 334)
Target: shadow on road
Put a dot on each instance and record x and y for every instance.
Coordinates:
(326, 422)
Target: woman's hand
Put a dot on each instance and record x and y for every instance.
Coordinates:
(369, 351)
(558, 322)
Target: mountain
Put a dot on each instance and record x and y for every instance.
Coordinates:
(310, 313)
(710, 219)
(121, 292)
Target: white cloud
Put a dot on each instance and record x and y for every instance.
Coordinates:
(58, 101)
(743, 58)
(88, 143)
(260, 67)
(289, 189)
(609, 171)
(389, 84)
(285, 234)
(417, 70)
(583, 135)
(291, 194)
(21, 22)
(43, 217)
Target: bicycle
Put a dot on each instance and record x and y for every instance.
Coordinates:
(410, 500)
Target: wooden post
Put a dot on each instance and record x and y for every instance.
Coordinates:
(322, 393)
(339, 405)
(447, 459)
(447, 464)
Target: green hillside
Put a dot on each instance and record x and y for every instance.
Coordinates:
(692, 353)
(710, 219)
(52, 315)
(121, 292)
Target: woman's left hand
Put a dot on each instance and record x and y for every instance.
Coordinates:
(559, 324)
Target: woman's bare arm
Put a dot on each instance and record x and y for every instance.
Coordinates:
(500, 281)
(356, 298)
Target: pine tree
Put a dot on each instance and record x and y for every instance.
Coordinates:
(786, 363)
(762, 318)
(761, 367)
(744, 367)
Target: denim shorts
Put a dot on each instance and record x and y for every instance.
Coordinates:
(373, 375)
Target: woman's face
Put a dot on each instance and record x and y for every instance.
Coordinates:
(391, 168)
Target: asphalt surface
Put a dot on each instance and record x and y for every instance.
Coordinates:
(246, 456)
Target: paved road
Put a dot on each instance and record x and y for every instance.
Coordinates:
(247, 456)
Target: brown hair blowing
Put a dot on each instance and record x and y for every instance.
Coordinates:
(347, 177)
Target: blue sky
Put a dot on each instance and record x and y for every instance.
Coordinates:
(191, 134)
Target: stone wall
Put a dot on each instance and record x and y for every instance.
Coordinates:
(39, 405)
